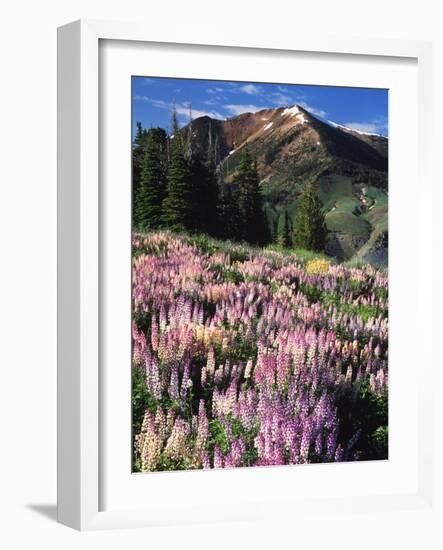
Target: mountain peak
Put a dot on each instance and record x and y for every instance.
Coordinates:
(291, 147)
(287, 135)
(291, 110)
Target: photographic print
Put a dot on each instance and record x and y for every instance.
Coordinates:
(259, 274)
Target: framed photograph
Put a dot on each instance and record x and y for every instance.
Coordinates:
(234, 338)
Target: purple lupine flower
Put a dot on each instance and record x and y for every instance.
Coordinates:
(205, 461)
(318, 445)
(154, 334)
(284, 393)
(173, 385)
(153, 378)
(186, 382)
(306, 439)
(218, 457)
(339, 454)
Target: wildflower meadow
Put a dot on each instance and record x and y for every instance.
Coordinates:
(248, 356)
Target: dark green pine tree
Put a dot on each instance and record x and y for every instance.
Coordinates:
(309, 226)
(196, 181)
(152, 188)
(253, 225)
(197, 187)
(274, 229)
(211, 192)
(203, 184)
(177, 205)
(284, 230)
(138, 152)
(228, 213)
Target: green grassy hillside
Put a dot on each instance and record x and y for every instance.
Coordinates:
(356, 216)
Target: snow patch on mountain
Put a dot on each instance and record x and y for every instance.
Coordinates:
(360, 132)
(294, 110)
(267, 126)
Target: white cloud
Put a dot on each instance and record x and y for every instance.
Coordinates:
(251, 89)
(378, 126)
(281, 99)
(214, 101)
(313, 110)
(160, 103)
(156, 102)
(181, 108)
(183, 111)
(240, 109)
(367, 127)
(214, 91)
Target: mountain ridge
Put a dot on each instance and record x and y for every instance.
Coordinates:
(292, 147)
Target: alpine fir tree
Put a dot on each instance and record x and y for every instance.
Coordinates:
(177, 205)
(152, 188)
(210, 192)
(197, 186)
(253, 226)
(309, 226)
(138, 152)
(203, 183)
(174, 121)
(284, 230)
(228, 213)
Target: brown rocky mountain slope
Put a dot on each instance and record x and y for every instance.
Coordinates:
(292, 147)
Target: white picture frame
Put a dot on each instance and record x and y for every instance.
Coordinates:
(80, 396)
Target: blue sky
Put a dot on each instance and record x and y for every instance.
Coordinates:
(363, 109)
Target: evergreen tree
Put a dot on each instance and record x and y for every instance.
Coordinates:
(228, 213)
(174, 122)
(211, 192)
(309, 226)
(177, 205)
(196, 177)
(203, 184)
(138, 152)
(188, 139)
(152, 188)
(253, 225)
(274, 231)
(284, 231)
(197, 187)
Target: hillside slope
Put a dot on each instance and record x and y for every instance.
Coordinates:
(292, 146)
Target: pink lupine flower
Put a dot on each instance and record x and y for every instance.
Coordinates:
(218, 457)
(248, 369)
(280, 398)
(331, 444)
(154, 334)
(210, 364)
(153, 378)
(339, 454)
(173, 385)
(205, 461)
